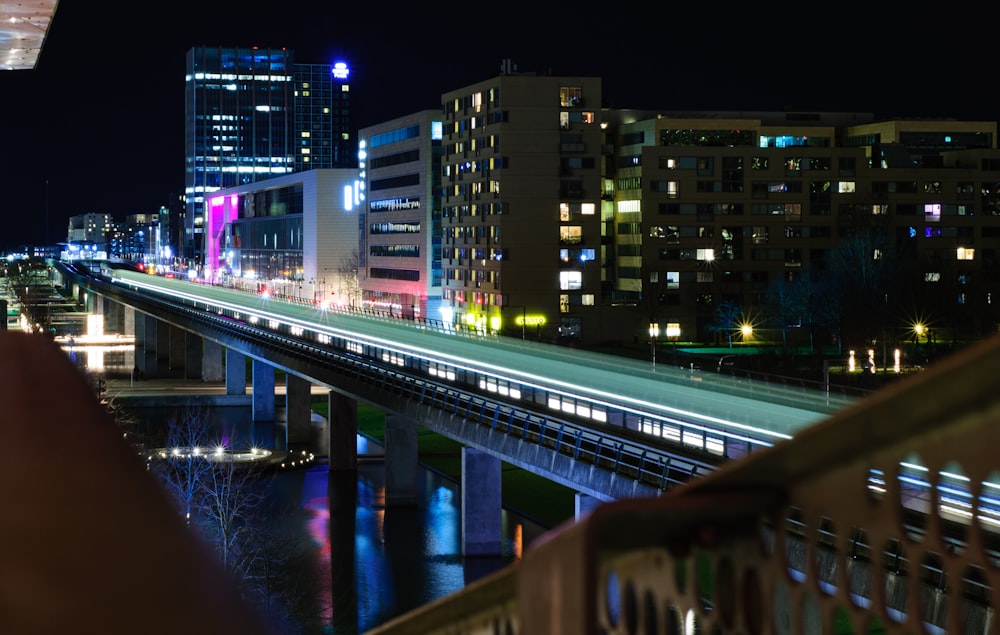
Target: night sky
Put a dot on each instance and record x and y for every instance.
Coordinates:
(98, 125)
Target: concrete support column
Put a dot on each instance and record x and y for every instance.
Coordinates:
(402, 465)
(343, 424)
(162, 347)
(263, 391)
(194, 356)
(128, 325)
(583, 504)
(236, 372)
(298, 412)
(262, 403)
(148, 325)
(176, 347)
(95, 304)
(482, 504)
(115, 318)
(211, 362)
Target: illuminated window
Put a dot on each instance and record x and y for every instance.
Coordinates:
(845, 187)
(966, 253)
(704, 276)
(672, 278)
(932, 276)
(571, 234)
(706, 255)
(629, 206)
(880, 210)
(932, 212)
(587, 299)
(588, 209)
(564, 303)
(570, 280)
(570, 96)
(564, 212)
(760, 235)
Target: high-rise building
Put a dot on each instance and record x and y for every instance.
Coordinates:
(253, 114)
(522, 204)
(399, 255)
(323, 122)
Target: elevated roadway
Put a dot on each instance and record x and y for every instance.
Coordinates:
(555, 411)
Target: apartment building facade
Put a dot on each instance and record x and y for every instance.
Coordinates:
(828, 225)
(521, 205)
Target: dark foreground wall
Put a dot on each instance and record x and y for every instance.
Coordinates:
(91, 542)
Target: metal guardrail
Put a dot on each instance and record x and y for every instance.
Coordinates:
(826, 533)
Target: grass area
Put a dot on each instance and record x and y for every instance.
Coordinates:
(547, 503)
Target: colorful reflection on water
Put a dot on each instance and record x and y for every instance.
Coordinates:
(374, 563)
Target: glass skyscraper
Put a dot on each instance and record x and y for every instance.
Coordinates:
(252, 114)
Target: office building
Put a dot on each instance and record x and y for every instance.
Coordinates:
(323, 117)
(400, 250)
(292, 236)
(253, 114)
(522, 204)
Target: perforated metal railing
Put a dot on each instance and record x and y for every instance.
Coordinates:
(881, 519)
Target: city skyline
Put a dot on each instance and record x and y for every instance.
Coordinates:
(91, 130)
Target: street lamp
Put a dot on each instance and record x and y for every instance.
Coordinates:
(654, 332)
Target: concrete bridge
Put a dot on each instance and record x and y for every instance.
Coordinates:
(604, 428)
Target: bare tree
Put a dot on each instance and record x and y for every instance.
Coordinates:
(183, 466)
(350, 281)
(231, 503)
(222, 495)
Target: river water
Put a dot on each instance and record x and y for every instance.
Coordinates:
(373, 563)
(356, 562)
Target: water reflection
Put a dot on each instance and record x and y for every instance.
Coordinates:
(382, 562)
(363, 563)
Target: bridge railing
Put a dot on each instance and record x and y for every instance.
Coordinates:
(881, 519)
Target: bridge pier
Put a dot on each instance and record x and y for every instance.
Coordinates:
(211, 360)
(175, 347)
(482, 504)
(343, 426)
(147, 333)
(298, 413)
(128, 322)
(402, 466)
(236, 372)
(262, 405)
(194, 356)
